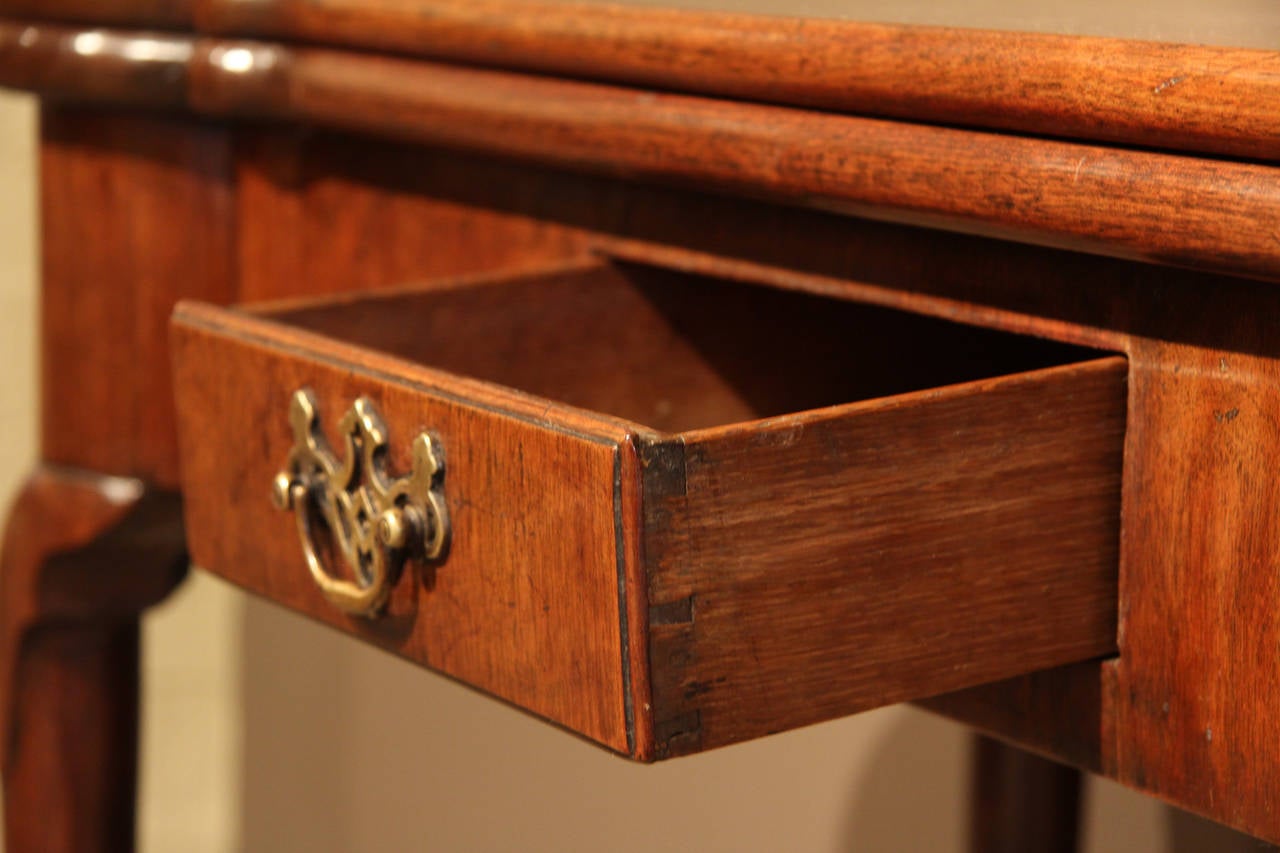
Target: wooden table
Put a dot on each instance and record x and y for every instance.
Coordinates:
(853, 364)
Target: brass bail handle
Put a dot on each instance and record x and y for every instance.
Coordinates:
(375, 522)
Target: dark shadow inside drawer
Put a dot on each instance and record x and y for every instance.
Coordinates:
(671, 350)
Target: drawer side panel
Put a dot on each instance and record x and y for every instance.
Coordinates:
(817, 565)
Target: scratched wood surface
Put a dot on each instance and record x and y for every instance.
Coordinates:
(1199, 582)
(1114, 201)
(872, 560)
(1186, 96)
(1191, 97)
(1107, 200)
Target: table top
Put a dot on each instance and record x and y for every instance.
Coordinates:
(1198, 77)
(964, 146)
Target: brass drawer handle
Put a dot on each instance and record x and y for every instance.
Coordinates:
(375, 522)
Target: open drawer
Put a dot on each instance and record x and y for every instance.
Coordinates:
(665, 511)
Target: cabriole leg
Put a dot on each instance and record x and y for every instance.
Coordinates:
(83, 555)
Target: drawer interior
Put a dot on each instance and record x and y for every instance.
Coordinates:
(671, 350)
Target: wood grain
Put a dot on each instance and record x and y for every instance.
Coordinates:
(1034, 291)
(990, 453)
(1156, 207)
(665, 349)
(1104, 302)
(1184, 711)
(871, 562)
(1187, 97)
(1198, 580)
(709, 578)
(136, 212)
(526, 616)
(318, 214)
(83, 555)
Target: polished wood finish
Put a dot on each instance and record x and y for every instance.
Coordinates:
(1187, 97)
(152, 13)
(531, 618)
(130, 68)
(1105, 200)
(1086, 197)
(350, 185)
(136, 212)
(759, 587)
(1197, 561)
(1203, 503)
(83, 555)
(1194, 98)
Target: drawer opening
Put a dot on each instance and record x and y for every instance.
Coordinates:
(830, 507)
(671, 350)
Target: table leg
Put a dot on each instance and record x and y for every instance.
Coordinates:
(1021, 801)
(83, 555)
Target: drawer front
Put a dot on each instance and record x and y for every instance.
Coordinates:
(710, 544)
(526, 605)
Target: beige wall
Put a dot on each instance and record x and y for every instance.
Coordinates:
(267, 733)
